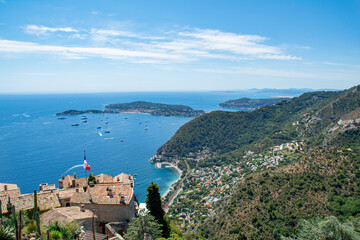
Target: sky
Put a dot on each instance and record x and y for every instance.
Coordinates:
(70, 46)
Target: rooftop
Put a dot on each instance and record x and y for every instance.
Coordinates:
(66, 215)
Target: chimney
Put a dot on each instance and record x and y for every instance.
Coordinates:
(74, 175)
(62, 177)
(5, 187)
(82, 208)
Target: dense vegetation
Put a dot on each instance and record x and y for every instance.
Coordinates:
(142, 107)
(320, 180)
(271, 203)
(156, 109)
(77, 112)
(228, 131)
(248, 103)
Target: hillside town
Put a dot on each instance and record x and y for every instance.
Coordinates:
(105, 205)
(202, 189)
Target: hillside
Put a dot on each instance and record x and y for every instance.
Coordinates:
(254, 175)
(270, 203)
(142, 107)
(156, 109)
(248, 103)
(228, 131)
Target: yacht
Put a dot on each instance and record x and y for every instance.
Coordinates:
(75, 124)
(62, 117)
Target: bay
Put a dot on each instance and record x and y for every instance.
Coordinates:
(36, 147)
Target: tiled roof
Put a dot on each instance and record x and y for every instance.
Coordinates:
(106, 193)
(65, 214)
(124, 178)
(103, 178)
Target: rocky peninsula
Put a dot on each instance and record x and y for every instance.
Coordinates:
(142, 107)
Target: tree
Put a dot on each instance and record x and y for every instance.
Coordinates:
(154, 205)
(328, 229)
(143, 226)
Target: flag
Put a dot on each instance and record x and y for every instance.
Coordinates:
(86, 165)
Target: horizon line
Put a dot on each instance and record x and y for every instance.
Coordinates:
(171, 91)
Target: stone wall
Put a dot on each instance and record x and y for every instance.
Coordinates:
(4, 197)
(114, 228)
(46, 200)
(112, 213)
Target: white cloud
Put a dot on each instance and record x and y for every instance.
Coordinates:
(83, 52)
(185, 45)
(42, 30)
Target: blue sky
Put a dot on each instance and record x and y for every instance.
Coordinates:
(49, 46)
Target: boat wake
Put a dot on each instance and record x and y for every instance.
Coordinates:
(46, 123)
(76, 166)
(21, 114)
(109, 138)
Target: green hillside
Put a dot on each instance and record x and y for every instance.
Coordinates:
(255, 175)
(228, 131)
(249, 103)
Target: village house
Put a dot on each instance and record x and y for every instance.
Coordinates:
(111, 199)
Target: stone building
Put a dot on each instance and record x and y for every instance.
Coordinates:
(69, 214)
(112, 199)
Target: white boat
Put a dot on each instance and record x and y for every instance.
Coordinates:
(75, 124)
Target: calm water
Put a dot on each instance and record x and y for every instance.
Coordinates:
(36, 147)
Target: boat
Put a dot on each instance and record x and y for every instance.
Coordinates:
(147, 128)
(107, 131)
(61, 118)
(75, 124)
(135, 174)
(98, 127)
(106, 122)
(121, 140)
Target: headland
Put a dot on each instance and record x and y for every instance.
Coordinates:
(142, 107)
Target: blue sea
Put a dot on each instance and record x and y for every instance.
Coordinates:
(36, 147)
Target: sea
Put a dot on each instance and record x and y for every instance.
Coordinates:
(36, 147)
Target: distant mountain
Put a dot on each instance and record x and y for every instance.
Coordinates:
(248, 103)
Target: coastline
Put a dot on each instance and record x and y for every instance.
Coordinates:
(178, 170)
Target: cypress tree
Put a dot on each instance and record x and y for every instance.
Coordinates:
(154, 205)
